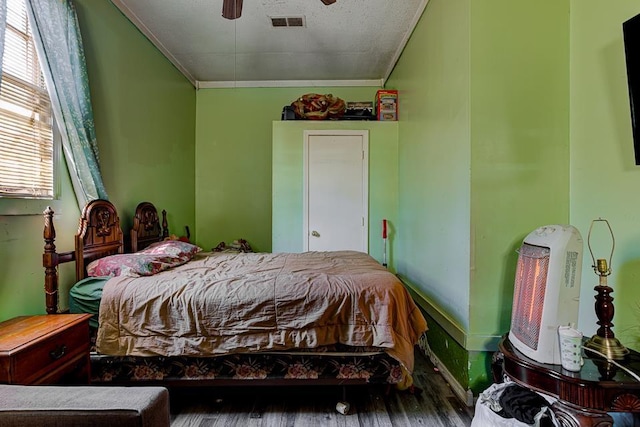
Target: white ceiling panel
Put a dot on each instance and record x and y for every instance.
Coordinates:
(348, 41)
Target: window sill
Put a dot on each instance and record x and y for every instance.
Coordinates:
(14, 207)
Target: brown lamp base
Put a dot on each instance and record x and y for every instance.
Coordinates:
(610, 347)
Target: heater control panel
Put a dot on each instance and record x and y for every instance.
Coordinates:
(546, 230)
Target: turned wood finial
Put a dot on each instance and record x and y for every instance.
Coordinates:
(49, 262)
(165, 225)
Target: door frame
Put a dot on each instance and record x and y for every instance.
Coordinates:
(365, 182)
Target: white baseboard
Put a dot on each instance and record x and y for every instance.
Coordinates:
(465, 396)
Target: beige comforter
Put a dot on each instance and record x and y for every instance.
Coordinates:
(220, 303)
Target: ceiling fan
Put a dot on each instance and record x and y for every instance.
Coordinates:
(232, 9)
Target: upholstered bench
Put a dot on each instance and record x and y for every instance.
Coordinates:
(76, 406)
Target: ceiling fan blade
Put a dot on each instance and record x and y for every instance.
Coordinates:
(232, 9)
(328, 2)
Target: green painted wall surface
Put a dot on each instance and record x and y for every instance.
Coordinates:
(500, 107)
(434, 158)
(604, 177)
(480, 373)
(144, 112)
(21, 248)
(453, 355)
(519, 145)
(483, 136)
(233, 159)
(288, 173)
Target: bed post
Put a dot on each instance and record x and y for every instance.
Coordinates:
(165, 225)
(50, 263)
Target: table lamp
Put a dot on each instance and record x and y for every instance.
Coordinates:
(604, 341)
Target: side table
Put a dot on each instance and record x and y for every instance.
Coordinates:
(45, 349)
(585, 397)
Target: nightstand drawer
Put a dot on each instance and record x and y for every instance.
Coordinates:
(43, 349)
(51, 353)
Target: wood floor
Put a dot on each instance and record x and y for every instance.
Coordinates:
(316, 406)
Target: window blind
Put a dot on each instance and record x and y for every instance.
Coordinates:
(26, 137)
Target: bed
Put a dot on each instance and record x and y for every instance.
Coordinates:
(226, 318)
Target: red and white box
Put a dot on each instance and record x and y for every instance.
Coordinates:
(387, 105)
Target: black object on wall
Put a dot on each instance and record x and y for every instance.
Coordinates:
(631, 34)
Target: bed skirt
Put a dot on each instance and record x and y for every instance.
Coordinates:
(271, 368)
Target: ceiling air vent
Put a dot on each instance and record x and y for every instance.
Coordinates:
(287, 21)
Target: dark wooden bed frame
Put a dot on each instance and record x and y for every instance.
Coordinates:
(146, 227)
(99, 235)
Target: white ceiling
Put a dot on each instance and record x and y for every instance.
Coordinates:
(351, 42)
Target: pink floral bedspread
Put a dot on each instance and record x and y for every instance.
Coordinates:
(222, 303)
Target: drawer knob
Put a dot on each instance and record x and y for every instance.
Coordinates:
(58, 352)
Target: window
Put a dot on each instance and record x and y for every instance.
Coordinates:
(27, 151)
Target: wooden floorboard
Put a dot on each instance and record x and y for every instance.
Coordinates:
(435, 406)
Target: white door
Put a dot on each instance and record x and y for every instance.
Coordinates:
(336, 190)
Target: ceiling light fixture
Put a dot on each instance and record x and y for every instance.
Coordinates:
(232, 9)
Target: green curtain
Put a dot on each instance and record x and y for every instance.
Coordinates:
(59, 46)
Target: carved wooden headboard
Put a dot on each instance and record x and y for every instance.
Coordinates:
(99, 235)
(146, 226)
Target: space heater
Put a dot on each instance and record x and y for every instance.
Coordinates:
(547, 290)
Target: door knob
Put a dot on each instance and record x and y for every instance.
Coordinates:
(314, 233)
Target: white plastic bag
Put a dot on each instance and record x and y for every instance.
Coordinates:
(488, 402)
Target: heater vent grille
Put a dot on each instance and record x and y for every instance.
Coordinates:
(529, 291)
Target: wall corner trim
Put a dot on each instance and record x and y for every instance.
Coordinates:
(470, 342)
(465, 396)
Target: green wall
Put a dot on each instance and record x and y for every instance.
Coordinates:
(434, 158)
(21, 248)
(520, 144)
(144, 113)
(604, 177)
(484, 154)
(288, 173)
(233, 159)
(534, 113)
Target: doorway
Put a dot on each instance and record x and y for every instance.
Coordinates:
(336, 191)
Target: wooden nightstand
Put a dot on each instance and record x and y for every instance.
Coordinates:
(585, 398)
(46, 349)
